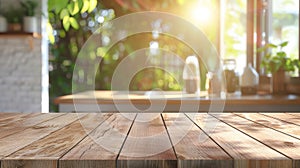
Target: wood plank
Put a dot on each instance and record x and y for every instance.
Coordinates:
(284, 122)
(190, 149)
(246, 151)
(8, 114)
(50, 148)
(21, 123)
(294, 114)
(283, 143)
(276, 124)
(148, 144)
(287, 117)
(14, 142)
(296, 117)
(101, 148)
(6, 118)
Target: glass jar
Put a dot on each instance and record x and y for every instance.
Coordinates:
(230, 75)
(213, 83)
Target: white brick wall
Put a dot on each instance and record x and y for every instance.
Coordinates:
(20, 75)
(24, 71)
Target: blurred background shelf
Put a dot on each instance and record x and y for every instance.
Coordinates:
(19, 34)
(29, 36)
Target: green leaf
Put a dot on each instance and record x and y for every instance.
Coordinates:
(92, 6)
(50, 33)
(284, 44)
(85, 7)
(80, 3)
(62, 33)
(74, 23)
(64, 13)
(75, 8)
(66, 23)
(51, 4)
(270, 45)
(57, 5)
(70, 7)
(281, 54)
(268, 56)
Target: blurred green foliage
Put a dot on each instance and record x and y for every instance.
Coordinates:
(72, 22)
(70, 25)
(235, 28)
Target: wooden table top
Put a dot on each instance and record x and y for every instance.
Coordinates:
(172, 97)
(96, 140)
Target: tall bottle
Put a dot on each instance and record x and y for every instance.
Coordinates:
(191, 75)
(3, 24)
(249, 81)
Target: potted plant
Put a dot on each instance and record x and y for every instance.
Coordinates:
(14, 19)
(277, 62)
(29, 20)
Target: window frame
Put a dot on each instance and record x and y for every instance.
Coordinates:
(263, 16)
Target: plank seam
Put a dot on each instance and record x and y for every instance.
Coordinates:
(57, 164)
(169, 137)
(291, 113)
(42, 137)
(252, 137)
(208, 136)
(31, 126)
(13, 116)
(82, 139)
(117, 158)
(268, 126)
(281, 119)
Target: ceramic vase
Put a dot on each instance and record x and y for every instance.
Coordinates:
(30, 24)
(3, 24)
(249, 81)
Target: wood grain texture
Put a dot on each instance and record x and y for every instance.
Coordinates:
(276, 124)
(283, 143)
(148, 144)
(246, 151)
(101, 148)
(14, 142)
(22, 122)
(292, 118)
(54, 145)
(7, 115)
(6, 118)
(293, 114)
(107, 140)
(29, 164)
(201, 151)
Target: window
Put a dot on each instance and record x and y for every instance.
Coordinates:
(276, 22)
(285, 24)
(248, 25)
(234, 33)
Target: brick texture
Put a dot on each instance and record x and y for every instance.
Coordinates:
(21, 70)
(20, 75)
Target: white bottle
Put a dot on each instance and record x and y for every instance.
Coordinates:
(249, 81)
(191, 75)
(3, 24)
(30, 24)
